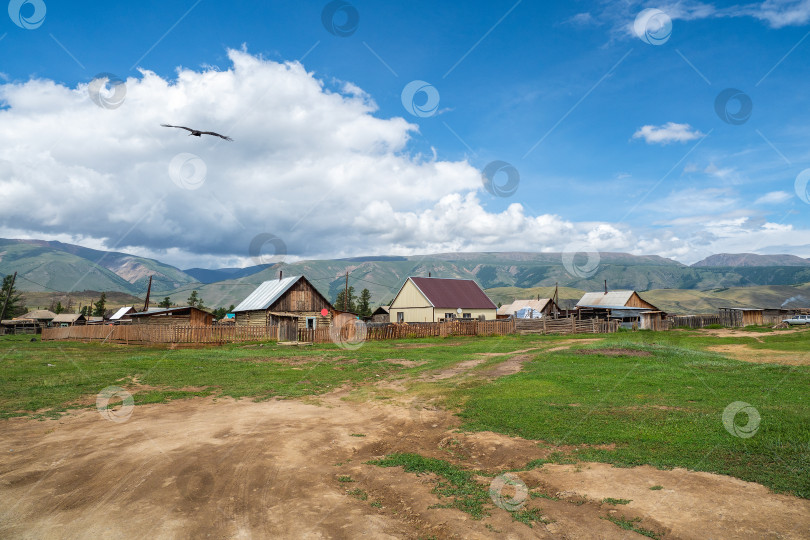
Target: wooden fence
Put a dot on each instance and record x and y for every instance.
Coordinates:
(145, 334)
(354, 333)
(694, 321)
(566, 326)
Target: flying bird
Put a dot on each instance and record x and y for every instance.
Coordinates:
(198, 133)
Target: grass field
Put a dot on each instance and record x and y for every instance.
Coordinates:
(628, 399)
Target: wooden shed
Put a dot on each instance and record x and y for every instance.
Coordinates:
(178, 316)
(741, 316)
(275, 301)
(381, 315)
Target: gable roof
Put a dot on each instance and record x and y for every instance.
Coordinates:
(611, 300)
(537, 305)
(121, 312)
(67, 317)
(266, 294)
(453, 293)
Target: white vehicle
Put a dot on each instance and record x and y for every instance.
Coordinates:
(798, 319)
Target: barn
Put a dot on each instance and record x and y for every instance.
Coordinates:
(277, 301)
(429, 299)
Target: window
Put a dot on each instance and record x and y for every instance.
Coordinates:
(449, 316)
(400, 316)
(312, 322)
(468, 315)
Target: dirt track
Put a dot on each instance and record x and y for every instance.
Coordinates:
(207, 468)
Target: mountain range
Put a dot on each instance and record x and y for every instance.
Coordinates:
(56, 266)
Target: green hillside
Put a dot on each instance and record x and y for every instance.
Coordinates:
(383, 276)
(42, 266)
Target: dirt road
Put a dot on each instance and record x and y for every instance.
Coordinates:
(218, 468)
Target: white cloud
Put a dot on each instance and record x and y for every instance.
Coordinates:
(779, 13)
(667, 133)
(774, 197)
(311, 164)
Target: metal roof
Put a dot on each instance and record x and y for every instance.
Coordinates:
(453, 293)
(165, 311)
(266, 294)
(121, 312)
(537, 305)
(613, 299)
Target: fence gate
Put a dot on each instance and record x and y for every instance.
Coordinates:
(288, 330)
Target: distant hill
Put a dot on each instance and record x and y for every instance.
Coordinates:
(43, 265)
(383, 276)
(65, 267)
(736, 260)
(204, 275)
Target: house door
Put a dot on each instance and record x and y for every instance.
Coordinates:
(288, 330)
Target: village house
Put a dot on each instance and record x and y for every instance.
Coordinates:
(123, 314)
(429, 299)
(532, 309)
(280, 300)
(625, 306)
(68, 319)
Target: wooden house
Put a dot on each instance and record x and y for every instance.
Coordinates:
(429, 299)
(177, 316)
(42, 317)
(277, 301)
(624, 306)
(68, 319)
(123, 314)
(543, 306)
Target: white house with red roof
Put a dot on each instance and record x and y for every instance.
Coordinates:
(429, 299)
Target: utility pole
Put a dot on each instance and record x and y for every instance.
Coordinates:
(8, 295)
(346, 294)
(148, 290)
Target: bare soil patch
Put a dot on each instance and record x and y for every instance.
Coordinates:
(761, 356)
(279, 469)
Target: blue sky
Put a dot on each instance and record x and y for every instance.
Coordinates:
(618, 139)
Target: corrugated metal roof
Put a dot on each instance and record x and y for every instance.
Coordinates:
(453, 293)
(121, 312)
(164, 310)
(613, 299)
(266, 293)
(537, 305)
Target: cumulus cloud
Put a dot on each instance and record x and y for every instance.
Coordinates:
(667, 133)
(312, 164)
